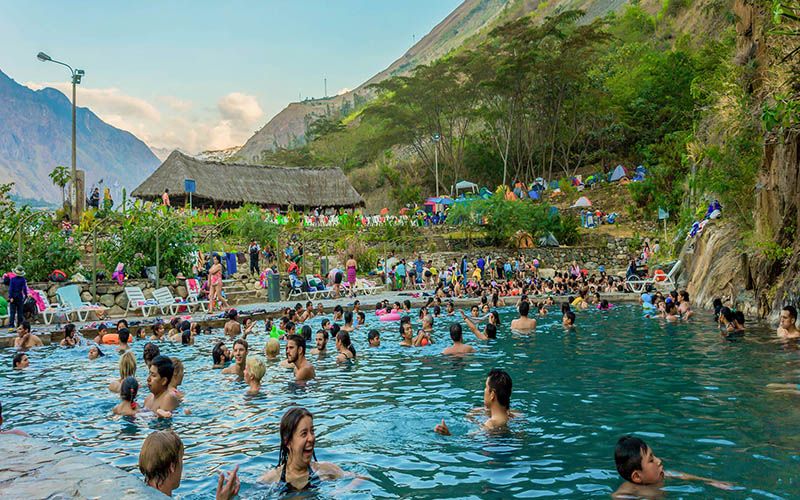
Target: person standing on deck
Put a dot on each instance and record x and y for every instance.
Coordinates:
(17, 291)
(254, 251)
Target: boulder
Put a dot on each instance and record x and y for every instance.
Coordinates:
(547, 272)
(86, 296)
(107, 300)
(121, 300)
(116, 311)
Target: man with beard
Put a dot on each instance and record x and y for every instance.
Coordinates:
(296, 354)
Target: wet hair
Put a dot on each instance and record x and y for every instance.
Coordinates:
(124, 335)
(99, 352)
(344, 338)
(127, 365)
(164, 367)
(684, 294)
(298, 341)
(289, 422)
(243, 342)
(604, 304)
(123, 322)
(717, 308)
(15, 362)
(373, 334)
(256, 367)
(150, 352)
(348, 318)
(185, 326)
(491, 331)
(791, 310)
(496, 317)
(437, 310)
(739, 315)
(289, 326)
(728, 314)
(456, 333)
(186, 337)
(26, 325)
(500, 382)
(361, 316)
(325, 321)
(129, 389)
(69, 330)
(407, 304)
(306, 332)
(335, 329)
(338, 308)
(404, 320)
(161, 451)
(217, 354)
(570, 316)
(628, 455)
(524, 308)
(324, 334)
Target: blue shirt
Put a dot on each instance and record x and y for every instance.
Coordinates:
(17, 287)
(418, 265)
(400, 270)
(481, 264)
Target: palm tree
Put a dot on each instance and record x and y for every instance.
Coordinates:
(61, 177)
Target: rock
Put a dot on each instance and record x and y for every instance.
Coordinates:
(180, 291)
(116, 311)
(547, 272)
(121, 300)
(112, 288)
(86, 296)
(107, 300)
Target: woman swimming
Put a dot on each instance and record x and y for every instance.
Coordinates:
(127, 393)
(127, 368)
(345, 347)
(70, 339)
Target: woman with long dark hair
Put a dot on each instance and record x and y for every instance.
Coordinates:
(298, 468)
(345, 347)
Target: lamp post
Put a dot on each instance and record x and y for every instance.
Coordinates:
(436, 138)
(77, 74)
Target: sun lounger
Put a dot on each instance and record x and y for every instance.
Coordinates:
(70, 296)
(50, 311)
(315, 293)
(167, 302)
(666, 280)
(193, 294)
(137, 301)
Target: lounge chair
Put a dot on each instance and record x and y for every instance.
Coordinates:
(137, 301)
(167, 302)
(666, 280)
(313, 292)
(70, 296)
(193, 294)
(50, 311)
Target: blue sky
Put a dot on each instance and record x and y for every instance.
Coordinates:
(205, 75)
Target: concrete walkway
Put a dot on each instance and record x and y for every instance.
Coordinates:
(32, 469)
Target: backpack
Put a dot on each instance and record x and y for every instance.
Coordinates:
(57, 276)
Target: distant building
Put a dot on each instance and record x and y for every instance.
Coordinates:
(224, 185)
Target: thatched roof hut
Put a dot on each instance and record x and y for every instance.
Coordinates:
(223, 185)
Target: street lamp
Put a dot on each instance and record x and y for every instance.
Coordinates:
(436, 138)
(77, 74)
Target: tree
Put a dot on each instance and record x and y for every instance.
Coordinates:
(61, 177)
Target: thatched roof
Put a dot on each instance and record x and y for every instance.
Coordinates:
(225, 185)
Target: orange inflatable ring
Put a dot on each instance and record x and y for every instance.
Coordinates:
(660, 275)
(110, 339)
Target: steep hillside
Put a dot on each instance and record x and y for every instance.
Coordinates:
(36, 136)
(288, 127)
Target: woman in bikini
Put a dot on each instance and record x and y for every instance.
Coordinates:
(351, 266)
(214, 282)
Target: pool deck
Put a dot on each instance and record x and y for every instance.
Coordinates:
(53, 333)
(32, 468)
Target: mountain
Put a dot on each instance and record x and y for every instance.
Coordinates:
(217, 155)
(287, 128)
(36, 136)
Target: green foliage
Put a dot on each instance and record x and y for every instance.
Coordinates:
(774, 252)
(248, 224)
(61, 177)
(783, 113)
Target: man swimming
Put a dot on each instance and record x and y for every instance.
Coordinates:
(322, 343)
(787, 327)
(240, 349)
(496, 402)
(161, 401)
(232, 327)
(25, 339)
(458, 347)
(524, 324)
(296, 354)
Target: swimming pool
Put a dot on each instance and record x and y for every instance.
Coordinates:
(699, 401)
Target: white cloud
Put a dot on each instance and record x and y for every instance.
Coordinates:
(171, 122)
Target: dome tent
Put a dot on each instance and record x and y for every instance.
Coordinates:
(582, 202)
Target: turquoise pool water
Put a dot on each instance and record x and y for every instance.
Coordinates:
(699, 400)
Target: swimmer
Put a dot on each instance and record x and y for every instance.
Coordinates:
(240, 349)
(158, 331)
(95, 352)
(20, 361)
(374, 338)
(524, 324)
(407, 338)
(127, 368)
(320, 309)
(102, 331)
(220, 355)
(25, 339)
(253, 373)
(684, 306)
(345, 347)
(322, 343)
(298, 469)
(161, 464)
(124, 337)
(149, 353)
(127, 393)
(348, 322)
(177, 378)
(643, 472)
(670, 312)
(232, 327)
(489, 331)
(361, 318)
(731, 321)
(458, 347)
(296, 354)
(338, 313)
(249, 324)
(427, 323)
(496, 402)
(305, 332)
(10, 431)
(161, 400)
(568, 320)
(70, 339)
(272, 349)
(787, 327)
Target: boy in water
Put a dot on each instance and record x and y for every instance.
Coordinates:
(496, 402)
(643, 472)
(240, 349)
(296, 355)
(161, 401)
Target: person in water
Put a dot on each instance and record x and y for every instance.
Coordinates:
(127, 368)
(298, 469)
(177, 378)
(374, 338)
(345, 347)
(124, 337)
(161, 464)
(524, 324)
(568, 319)
(220, 355)
(127, 394)
(787, 326)
(10, 431)
(161, 400)
(25, 339)
(322, 343)
(489, 331)
(643, 472)
(457, 336)
(232, 327)
(272, 349)
(240, 349)
(296, 355)
(20, 361)
(70, 339)
(496, 402)
(253, 373)
(149, 353)
(95, 352)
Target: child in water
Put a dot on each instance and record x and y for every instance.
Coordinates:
(643, 472)
(127, 393)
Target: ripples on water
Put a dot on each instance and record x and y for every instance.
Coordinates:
(699, 400)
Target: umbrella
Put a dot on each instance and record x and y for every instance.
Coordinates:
(384, 211)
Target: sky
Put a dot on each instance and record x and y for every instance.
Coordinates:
(200, 75)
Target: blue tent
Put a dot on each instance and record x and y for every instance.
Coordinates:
(641, 172)
(617, 174)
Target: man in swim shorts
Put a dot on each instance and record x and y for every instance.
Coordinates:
(296, 354)
(787, 327)
(232, 327)
(524, 324)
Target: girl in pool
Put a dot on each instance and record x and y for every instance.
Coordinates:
(127, 393)
(177, 378)
(70, 339)
(158, 331)
(127, 368)
(95, 352)
(297, 468)
(345, 347)
(221, 355)
(249, 323)
(254, 371)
